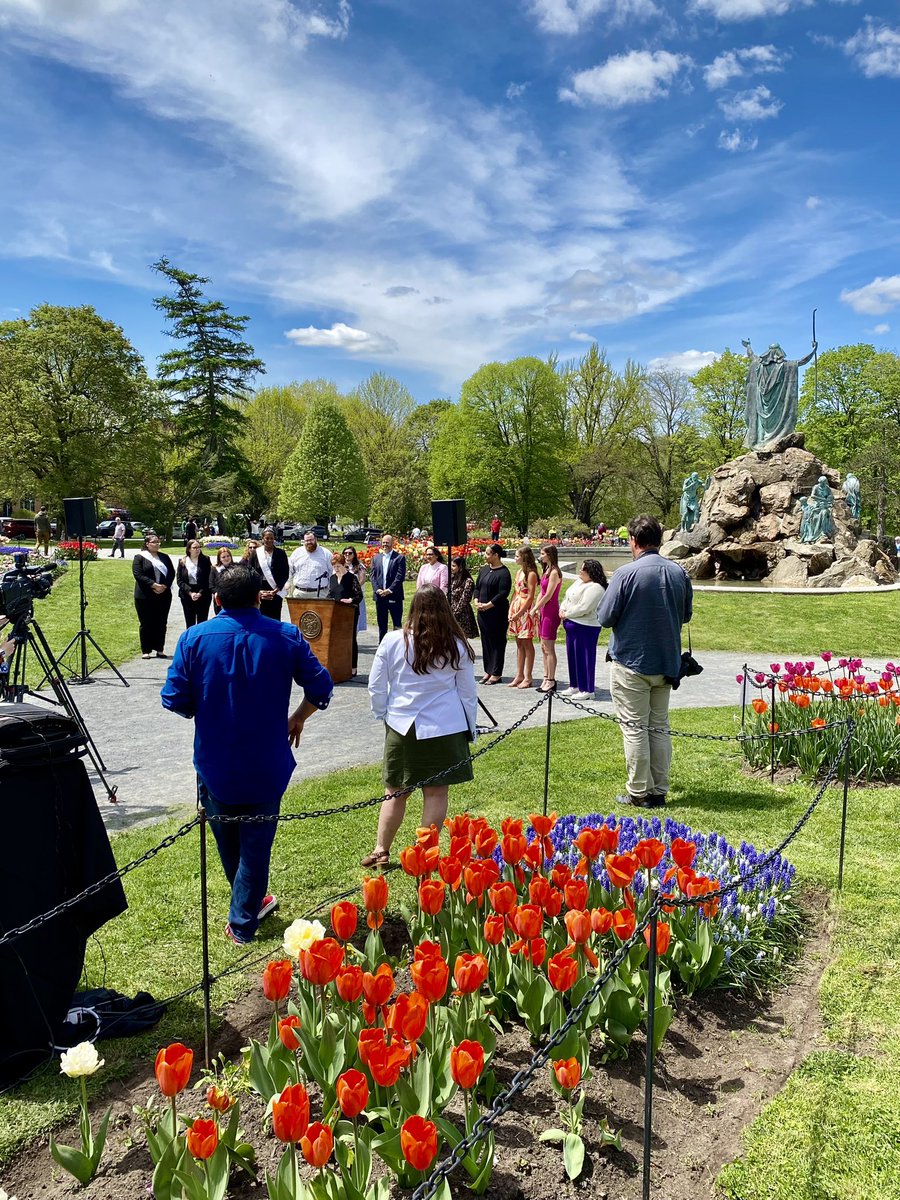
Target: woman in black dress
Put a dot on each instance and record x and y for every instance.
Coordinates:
(193, 579)
(492, 588)
(271, 564)
(344, 587)
(462, 588)
(153, 578)
(224, 562)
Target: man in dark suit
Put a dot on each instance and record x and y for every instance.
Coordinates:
(388, 574)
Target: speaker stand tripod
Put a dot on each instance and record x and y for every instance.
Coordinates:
(83, 636)
(481, 704)
(29, 635)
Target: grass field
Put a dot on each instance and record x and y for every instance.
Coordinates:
(834, 1132)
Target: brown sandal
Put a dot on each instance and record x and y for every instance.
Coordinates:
(378, 858)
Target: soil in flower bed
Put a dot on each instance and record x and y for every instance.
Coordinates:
(723, 1058)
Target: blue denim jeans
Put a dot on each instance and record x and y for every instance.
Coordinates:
(245, 851)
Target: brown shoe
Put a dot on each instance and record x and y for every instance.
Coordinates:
(377, 858)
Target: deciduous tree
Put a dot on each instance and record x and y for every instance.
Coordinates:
(325, 474)
(720, 392)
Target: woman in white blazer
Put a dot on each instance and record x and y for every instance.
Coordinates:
(422, 685)
(579, 613)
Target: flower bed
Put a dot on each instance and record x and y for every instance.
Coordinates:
(396, 1064)
(34, 559)
(218, 543)
(796, 696)
(69, 551)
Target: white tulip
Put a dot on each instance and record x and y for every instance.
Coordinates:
(80, 1060)
(301, 934)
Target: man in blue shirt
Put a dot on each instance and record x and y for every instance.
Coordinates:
(645, 605)
(234, 675)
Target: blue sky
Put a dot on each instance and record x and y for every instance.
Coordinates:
(420, 186)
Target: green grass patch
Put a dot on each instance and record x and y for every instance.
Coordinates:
(835, 1129)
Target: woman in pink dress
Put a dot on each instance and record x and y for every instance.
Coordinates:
(546, 610)
(523, 625)
(433, 571)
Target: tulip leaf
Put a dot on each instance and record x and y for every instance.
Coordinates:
(552, 1135)
(74, 1161)
(100, 1140)
(573, 1155)
(165, 1186)
(662, 1019)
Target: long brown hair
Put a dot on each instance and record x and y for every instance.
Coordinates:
(552, 562)
(526, 560)
(434, 631)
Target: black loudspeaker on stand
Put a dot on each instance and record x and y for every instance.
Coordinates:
(81, 523)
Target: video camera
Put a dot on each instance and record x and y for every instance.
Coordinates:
(20, 587)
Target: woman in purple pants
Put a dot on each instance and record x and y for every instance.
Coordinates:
(579, 613)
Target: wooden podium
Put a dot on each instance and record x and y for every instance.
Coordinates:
(328, 627)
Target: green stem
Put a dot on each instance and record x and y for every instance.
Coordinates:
(294, 1170)
(356, 1167)
(86, 1139)
(174, 1119)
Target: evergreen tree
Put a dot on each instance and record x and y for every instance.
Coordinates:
(207, 376)
(325, 474)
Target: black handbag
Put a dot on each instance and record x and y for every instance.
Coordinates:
(689, 664)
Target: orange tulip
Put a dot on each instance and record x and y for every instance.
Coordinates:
(567, 1072)
(663, 937)
(276, 979)
(562, 969)
(349, 983)
(407, 1016)
(553, 904)
(173, 1068)
(317, 1144)
(202, 1138)
(485, 841)
(458, 826)
(759, 705)
(623, 924)
(412, 860)
(576, 893)
(601, 920)
(535, 950)
(467, 1064)
(527, 920)
(818, 722)
(321, 962)
(218, 1098)
(430, 977)
(513, 847)
(578, 924)
(450, 870)
(590, 842)
(682, 852)
(290, 1113)
(649, 852)
(418, 1141)
(561, 874)
(470, 972)
(461, 848)
(352, 1089)
(387, 1059)
(431, 896)
(375, 893)
(494, 927)
(621, 869)
(366, 1040)
(539, 890)
(286, 1033)
(379, 988)
(428, 836)
(503, 898)
(343, 919)
(541, 825)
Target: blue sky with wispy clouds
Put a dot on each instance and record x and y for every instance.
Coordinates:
(419, 186)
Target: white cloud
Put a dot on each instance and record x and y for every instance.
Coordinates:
(743, 10)
(342, 337)
(813, 202)
(876, 50)
(879, 296)
(576, 335)
(756, 104)
(515, 90)
(736, 141)
(631, 78)
(569, 17)
(881, 329)
(689, 361)
(749, 60)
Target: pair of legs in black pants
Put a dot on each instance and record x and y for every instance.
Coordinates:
(153, 616)
(385, 608)
(493, 625)
(195, 611)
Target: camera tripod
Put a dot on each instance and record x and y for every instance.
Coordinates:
(28, 635)
(83, 636)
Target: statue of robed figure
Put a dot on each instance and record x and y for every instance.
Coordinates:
(817, 522)
(850, 488)
(691, 493)
(772, 394)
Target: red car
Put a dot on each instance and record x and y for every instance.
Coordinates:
(22, 528)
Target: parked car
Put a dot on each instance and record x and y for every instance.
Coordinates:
(22, 528)
(105, 529)
(293, 532)
(319, 530)
(373, 537)
(356, 533)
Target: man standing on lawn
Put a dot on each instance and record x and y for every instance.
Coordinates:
(645, 605)
(42, 530)
(387, 573)
(234, 675)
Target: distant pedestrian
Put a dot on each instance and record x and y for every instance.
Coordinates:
(42, 530)
(191, 529)
(118, 538)
(496, 526)
(579, 613)
(645, 606)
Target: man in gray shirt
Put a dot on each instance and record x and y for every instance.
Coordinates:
(645, 605)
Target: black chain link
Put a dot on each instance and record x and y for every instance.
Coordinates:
(700, 737)
(263, 818)
(119, 873)
(526, 1074)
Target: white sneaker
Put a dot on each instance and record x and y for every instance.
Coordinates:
(569, 691)
(583, 696)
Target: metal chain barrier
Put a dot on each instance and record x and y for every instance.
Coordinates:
(525, 1075)
(119, 873)
(355, 806)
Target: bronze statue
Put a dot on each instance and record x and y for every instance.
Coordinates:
(771, 398)
(850, 488)
(691, 492)
(817, 522)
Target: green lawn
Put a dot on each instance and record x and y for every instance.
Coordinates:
(835, 1130)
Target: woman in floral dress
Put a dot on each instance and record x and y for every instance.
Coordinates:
(523, 624)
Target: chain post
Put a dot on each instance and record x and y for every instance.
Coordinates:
(204, 933)
(772, 739)
(844, 809)
(648, 1066)
(547, 752)
(744, 695)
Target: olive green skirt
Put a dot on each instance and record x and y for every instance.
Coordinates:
(407, 761)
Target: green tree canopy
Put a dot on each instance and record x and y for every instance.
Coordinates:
(720, 394)
(210, 369)
(76, 406)
(378, 412)
(325, 474)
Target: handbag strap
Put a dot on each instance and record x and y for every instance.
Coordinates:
(690, 647)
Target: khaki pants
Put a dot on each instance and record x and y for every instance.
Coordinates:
(643, 699)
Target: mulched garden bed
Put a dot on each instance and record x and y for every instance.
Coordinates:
(723, 1058)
